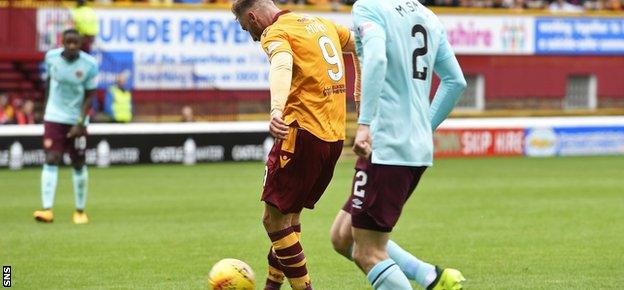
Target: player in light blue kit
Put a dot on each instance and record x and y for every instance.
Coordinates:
(71, 87)
(400, 44)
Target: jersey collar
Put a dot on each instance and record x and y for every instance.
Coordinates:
(69, 61)
(280, 14)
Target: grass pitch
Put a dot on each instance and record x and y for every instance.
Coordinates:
(509, 223)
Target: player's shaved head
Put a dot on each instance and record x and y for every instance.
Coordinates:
(66, 32)
(239, 7)
(71, 43)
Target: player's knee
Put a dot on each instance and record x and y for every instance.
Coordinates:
(341, 236)
(266, 221)
(273, 220)
(273, 223)
(53, 158)
(341, 245)
(341, 242)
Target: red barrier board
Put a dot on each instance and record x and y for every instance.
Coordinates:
(478, 142)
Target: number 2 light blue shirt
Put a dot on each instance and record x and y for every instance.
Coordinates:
(399, 42)
(68, 82)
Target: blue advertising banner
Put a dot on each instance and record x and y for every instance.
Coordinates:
(172, 49)
(112, 65)
(574, 141)
(590, 140)
(576, 35)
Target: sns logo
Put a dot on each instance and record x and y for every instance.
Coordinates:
(6, 276)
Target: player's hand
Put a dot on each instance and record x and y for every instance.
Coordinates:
(363, 144)
(278, 128)
(77, 131)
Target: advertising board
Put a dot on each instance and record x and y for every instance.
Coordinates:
(579, 35)
(479, 142)
(509, 35)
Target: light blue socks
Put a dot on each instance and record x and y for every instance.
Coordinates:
(413, 268)
(386, 275)
(49, 177)
(80, 178)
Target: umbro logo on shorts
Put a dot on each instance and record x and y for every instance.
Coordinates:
(357, 203)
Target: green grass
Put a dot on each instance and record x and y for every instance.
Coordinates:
(509, 223)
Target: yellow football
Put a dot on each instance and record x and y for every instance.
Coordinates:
(231, 274)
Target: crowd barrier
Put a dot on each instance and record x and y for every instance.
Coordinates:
(190, 143)
(140, 143)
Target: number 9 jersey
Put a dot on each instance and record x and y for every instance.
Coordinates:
(317, 98)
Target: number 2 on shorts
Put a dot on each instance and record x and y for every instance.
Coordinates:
(358, 186)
